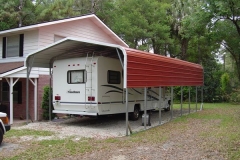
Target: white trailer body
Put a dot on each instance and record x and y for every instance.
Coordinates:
(94, 86)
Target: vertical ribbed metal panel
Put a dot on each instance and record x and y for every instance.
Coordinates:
(146, 70)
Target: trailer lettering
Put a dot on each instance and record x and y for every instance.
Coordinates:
(70, 91)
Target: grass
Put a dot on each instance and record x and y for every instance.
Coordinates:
(27, 132)
(218, 130)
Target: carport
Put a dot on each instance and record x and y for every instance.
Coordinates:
(141, 69)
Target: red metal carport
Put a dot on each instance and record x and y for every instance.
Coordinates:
(141, 69)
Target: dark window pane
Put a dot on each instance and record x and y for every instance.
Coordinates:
(114, 77)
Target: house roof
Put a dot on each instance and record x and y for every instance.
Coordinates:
(141, 69)
(6, 67)
(92, 17)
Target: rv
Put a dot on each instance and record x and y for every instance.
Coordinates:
(93, 86)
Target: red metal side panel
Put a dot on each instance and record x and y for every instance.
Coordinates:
(147, 70)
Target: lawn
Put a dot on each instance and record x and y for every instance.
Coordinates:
(213, 133)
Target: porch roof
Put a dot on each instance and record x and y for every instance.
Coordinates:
(6, 67)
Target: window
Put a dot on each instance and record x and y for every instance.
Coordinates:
(75, 76)
(17, 92)
(13, 46)
(114, 77)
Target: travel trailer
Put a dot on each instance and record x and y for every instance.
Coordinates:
(93, 86)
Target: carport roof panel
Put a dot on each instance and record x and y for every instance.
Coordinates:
(67, 48)
(147, 69)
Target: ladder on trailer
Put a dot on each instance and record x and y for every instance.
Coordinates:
(88, 83)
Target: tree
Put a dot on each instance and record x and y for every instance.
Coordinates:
(226, 24)
(189, 22)
(16, 13)
(142, 24)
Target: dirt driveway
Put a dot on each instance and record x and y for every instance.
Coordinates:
(183, 143)
(100, 128)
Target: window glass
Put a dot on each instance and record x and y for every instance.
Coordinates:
(12, 48)
(17, 92)
(75, 76)
(5, 92)
(114, 77)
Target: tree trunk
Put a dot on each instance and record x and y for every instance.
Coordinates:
(184, 46)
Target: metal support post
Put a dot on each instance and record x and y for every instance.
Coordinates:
(171, 102)
(181, 99)
(126, 111)
(145, 107)
(196, 98)
(160, 105)
(50, 95)
(189, 101)
(201, 98)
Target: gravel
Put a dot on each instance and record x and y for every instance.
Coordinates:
(99, 128)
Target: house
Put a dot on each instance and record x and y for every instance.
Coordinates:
(17, 43)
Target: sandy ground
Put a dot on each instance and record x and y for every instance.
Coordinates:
(180, 146)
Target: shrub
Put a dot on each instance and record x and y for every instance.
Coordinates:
(235, 96)
(45, 104)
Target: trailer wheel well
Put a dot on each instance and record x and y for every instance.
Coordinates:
(1, 136)
(168, 107)
(136, 112)
(1, 128)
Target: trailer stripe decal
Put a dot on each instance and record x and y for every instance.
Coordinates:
(153, 92)
(111, 86)
(79, 102)
(136, 91)
(116, 92)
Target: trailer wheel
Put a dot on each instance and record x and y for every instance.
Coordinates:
(168, 106)
(1, 135)
(135, 114)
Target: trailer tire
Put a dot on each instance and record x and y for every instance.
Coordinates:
(135, 114)
(1, 136)
(168, 106)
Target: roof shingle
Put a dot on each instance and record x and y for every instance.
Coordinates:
(6, 67)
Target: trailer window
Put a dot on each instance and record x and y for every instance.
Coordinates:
(114, 77)
(75, 76)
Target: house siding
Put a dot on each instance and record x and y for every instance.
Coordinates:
(30, 42)
(85, 29)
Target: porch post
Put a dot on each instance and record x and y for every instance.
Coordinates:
(11, 99)
(35, 99)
